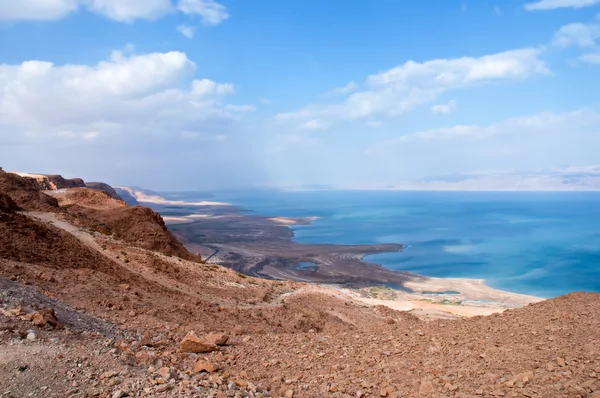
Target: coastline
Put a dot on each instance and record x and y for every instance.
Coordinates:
(264, 247)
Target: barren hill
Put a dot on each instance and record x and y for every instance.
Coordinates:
(98, 299)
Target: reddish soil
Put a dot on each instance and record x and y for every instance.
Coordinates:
(124, 308)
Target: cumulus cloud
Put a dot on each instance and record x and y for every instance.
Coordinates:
(577, 34)
(554, 4)
(444, 109)
(120, 118)
(411, 84)
(126, 94)
(210, 12)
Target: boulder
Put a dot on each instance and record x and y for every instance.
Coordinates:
(216, 338)
(45, 317)
(204, 366)
(194, 344)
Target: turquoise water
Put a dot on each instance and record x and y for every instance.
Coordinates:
(545, 244)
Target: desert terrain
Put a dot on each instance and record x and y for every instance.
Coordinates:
(100, 299)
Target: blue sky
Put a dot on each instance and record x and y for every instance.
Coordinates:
(198, 94)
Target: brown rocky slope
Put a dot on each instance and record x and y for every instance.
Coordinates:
(287, 339)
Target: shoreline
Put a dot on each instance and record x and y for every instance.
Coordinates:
(264, 247)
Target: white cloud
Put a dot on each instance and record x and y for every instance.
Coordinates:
(206, 87)
(444, 109)
(137, 94)
(129, 10)
(211, 12)
(406, 86)
(466, 70)
(592, 58)
(520, 125)
(36, 9)
(537, 141)
(577, 34)
(343, 90)
(554, 4)
(374, 123)
(187, 31)
(498, 11)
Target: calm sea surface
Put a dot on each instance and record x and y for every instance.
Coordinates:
(545, 244)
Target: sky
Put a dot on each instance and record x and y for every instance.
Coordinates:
(362, 94)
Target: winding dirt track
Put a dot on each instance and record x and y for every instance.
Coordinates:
(139, 269)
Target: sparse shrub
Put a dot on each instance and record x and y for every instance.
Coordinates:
(241, 275)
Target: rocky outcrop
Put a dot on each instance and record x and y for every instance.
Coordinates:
(51, 182)
(100, 186)
(46, 182)
(136, 225)
(26, 193)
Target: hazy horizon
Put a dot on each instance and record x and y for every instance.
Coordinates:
(204, 94)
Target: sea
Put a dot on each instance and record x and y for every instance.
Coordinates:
(540, 243)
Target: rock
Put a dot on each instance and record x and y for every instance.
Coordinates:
(145, 356)
(118, 394)
(108, 375)
(596, 394)
(204, 366)
(194, 344)
(31, 336)
(561, 362)
(164, 372)
(289, 394)
(45, 317)
(146, 340)
(426, 388)
(216, 338)
(115, 381)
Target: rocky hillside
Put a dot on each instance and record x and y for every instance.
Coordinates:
(92, 303)
(49, 182)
